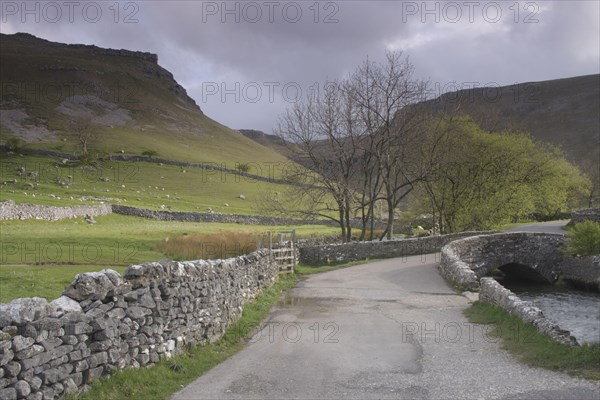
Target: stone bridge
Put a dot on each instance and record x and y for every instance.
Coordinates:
(529, 256)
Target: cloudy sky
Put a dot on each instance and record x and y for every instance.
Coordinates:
(244, 62)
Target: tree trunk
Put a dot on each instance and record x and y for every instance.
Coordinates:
(342, 224)
(348, 222)
(372, 218)
(390, 221)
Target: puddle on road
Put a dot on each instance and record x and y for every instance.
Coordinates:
(290, 301)
(307, 306)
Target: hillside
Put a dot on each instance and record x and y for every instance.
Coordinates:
(273, 142)
(564, 112)
(131, 103)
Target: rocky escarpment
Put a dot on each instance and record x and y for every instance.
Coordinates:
(27, 38)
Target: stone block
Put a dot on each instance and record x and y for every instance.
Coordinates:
(22, 311)
(54, 375)
(8, 394)
(92, 374)
(11, 369)
(21, 343)
(23, 389)
(35, 383)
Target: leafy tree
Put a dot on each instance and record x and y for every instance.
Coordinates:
(483, 179)
(15, 144)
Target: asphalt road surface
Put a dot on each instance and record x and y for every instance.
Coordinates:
(542, 227)
(390, 329)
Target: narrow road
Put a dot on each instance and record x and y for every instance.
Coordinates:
(541, 227)
(390, 329)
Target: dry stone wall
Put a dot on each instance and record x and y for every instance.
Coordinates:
(10, 210)
(184, 216)
(105, 322)
(587, 214)
(355, 251)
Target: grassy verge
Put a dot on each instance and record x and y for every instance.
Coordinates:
(534, 348)
(169, 376)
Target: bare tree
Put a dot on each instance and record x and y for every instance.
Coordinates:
(84, 130)
(387, 95)
(359, 138)
(323, 128)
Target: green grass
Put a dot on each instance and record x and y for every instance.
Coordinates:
(531, 347)
(139, 184)
(168, 376)
(115, 241)
(40, 281)
(210, 246)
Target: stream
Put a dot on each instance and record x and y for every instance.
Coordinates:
(573, 310)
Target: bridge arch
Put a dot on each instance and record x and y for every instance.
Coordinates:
(536, 256)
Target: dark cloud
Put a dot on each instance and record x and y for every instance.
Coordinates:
(205, 47)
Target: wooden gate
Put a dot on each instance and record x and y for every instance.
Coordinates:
(283, 250)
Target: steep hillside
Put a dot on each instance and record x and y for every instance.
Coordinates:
(274, 142)
(130, 103)
(564, 112)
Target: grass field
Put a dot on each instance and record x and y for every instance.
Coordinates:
(61, 249)
(41, 281)
(138, 184)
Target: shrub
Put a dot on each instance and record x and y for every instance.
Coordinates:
(243, 168)
(209, 246)
(584, 239)
(15, 144)
(150, 153)
(91, 158)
